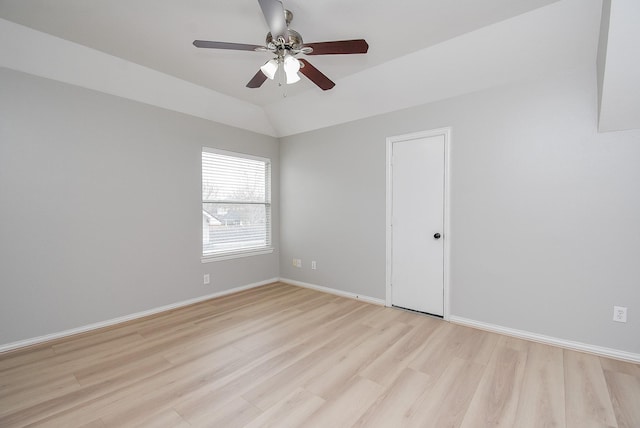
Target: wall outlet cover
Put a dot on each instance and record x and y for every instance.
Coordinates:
(620, 313)
(206, 279)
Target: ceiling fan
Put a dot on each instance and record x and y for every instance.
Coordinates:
(286, 43)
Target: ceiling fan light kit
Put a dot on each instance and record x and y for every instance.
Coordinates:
(290, 66)
(286, 44)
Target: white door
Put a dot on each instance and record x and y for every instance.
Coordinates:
(417, 224)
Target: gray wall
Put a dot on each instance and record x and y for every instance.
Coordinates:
(100, 208)
(100, 213)
(545, 211)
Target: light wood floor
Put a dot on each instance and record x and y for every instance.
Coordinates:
(284, 356)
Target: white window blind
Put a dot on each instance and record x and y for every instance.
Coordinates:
(236, 203)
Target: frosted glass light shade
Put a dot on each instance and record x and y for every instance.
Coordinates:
(291, 68)
(269, 68)
(292, 78)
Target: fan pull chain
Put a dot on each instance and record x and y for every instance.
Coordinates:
(282, 80)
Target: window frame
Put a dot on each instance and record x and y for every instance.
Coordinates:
(239, 253)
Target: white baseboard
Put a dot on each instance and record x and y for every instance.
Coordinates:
(95, 326)
(548, 340)
(334, 291)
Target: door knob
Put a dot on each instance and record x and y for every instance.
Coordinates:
(437, 236)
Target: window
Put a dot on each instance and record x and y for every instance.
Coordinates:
(236, 204)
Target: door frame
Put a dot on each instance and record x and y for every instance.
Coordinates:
(446, 132)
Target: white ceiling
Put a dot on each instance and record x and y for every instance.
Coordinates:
(420, 51)
(158, 33)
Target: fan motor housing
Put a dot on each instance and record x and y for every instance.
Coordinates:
(294, 42)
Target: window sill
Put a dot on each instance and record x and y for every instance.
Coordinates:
(236, 255)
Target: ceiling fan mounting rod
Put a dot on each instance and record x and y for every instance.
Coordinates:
(288, 16)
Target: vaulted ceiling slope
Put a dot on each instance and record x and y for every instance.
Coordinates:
(420, 51)
(619, 66)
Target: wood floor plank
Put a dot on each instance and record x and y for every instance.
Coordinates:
(131, 369)
(84, 342)
(620, 366)
(236, 382)
(380, 317)
(348, 405)
(258, 376)
(224, 335)
(67, 363)
(14, 360)
(274, 336)
(164, 419)
(473, 345)
(70, 409)
(268, 392)
(386, 368)
(34, 393)
(495, 402)
(292, 411)
(394, 406)
(586, 393)
(150, 349)
(437, 353)
(236, 412)
(624, 391)
(166, 387)
(446, 403)
(97, 423)
(541, 401)
(285, 356)
(514, 343)
(324, 384)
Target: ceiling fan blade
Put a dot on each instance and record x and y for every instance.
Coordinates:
(358, 46)
(257, 80)
(273, 12)
(316, 76)
(225, 45)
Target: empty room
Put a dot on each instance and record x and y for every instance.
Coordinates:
(258, 213)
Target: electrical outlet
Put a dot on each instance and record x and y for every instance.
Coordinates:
(299, 263)
(206, 279)
(620, 314)
(314, 266)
